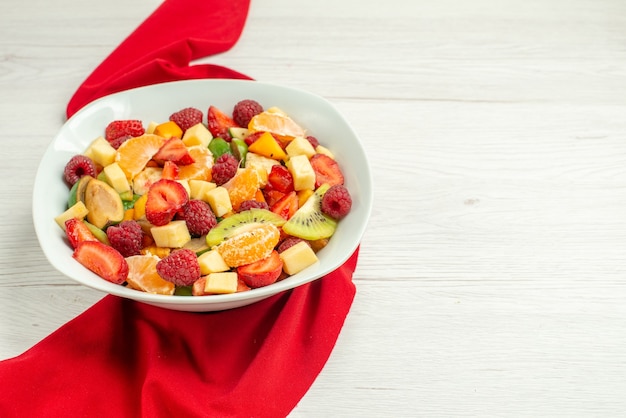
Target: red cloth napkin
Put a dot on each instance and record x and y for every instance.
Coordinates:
(122, 358)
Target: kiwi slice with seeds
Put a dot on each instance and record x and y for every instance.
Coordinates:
(309, 222)
(240, 222)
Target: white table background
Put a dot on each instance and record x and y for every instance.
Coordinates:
(491, 280)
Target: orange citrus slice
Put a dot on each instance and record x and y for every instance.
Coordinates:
(142, 275)
(201, 167)
(133, 155)
(251, 245)
(277, 123)
(243, 187)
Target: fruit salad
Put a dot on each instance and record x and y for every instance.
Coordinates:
(195, 206)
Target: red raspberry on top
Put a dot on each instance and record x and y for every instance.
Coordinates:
(246, 110)
(187, 117)
(224, 169)
(336, 202)
(126, 237)
(181, 267)
(78, 166)
(198, 216)
(119, 128)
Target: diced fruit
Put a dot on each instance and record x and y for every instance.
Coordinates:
(309, 222)
(239, 133)
(302, 172)
(250, 245)
(326, 170)
(165, 198)
(219, 122)
(142, 275)
(280, 179)
(300, 146)
(170, 170)
(77, 232)
(173, 150)
(297, 258)
(139, 212)
(239, 149)
(103, 260)
(218, 146)
(117, 178)
(174, 234)
(277, 123)
(303, 196)
(134, 154)
(263, 272)
(320, 149)
(197, 135)
(267, 146)
(221, 283)
(199, 188)
(103, 204)
(286, 206)
(219, 201)
(242, 187)
(168, 130)
(180, 267)
(77, 211)
(241, 222)
(101, 152)
(212, 262)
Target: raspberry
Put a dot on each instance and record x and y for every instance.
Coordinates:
(118, 128)
(115, 143)
(313, 140)
(181, 267)
(253, 204)
(78, 166)
(246, 110)
(336, 202)
(187, 117)
(198, 216)
(289, 242)
(126, 237)
(224, 169)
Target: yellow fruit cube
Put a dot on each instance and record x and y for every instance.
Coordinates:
(151, 127)
(173, 235)
(300, 146)
(221, 283)
(116, 178)
(267, 146)
(139, 208)
(303, 196)
(302, 172)
(79, 210)
(199, 188)
(101, 152)
(297, 258)
(168, 130)
(219, 201)
(320, 149)
(197, 135)
(212, 262)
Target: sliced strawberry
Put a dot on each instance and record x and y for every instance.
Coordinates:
(103, 260)
(165, 198)
(170, 170)
(120, 128)
(286, 206)
(326, 170)
(263, 272)
(173, 150)
(77, 232)
(271, 195)
(280, 178)
(219, 122)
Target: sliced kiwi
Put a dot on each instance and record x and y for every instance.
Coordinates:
(241, 222)
(309, 222)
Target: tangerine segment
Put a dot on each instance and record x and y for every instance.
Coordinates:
(133, 155)
(243, 187)
(201, 167)
(142, 275)
(277, 123)
(252, 245)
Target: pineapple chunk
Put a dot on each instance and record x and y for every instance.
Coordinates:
(199, 188)
(297, 258)
(320, 149)
(219, 201)
(117, 178)
(197, 135)
(151, 127)
(101, 152)
(300, 146)
(185, 184)
(168, 130)
(173, 235)
(212, 262)
(221, 283)
(79, 210)
(302, 172)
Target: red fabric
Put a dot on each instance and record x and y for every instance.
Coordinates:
(122, 358)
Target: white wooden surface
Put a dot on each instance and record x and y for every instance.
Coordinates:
(492, 277)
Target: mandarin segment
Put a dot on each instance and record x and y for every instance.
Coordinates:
(142, 275)
(249, 246)
(277, 123)
(200, 169)
(243, 187)
(133, 155)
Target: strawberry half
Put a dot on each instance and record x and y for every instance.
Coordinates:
(280, 178)
(170, 170)
(165, 198)
(174, 150)
(326, 170)
(219, 122)
(103, 260)
(120, 128)
(77, 232)
(286, 206)
(263, 272)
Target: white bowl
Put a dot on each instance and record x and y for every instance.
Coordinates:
(156, 103)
